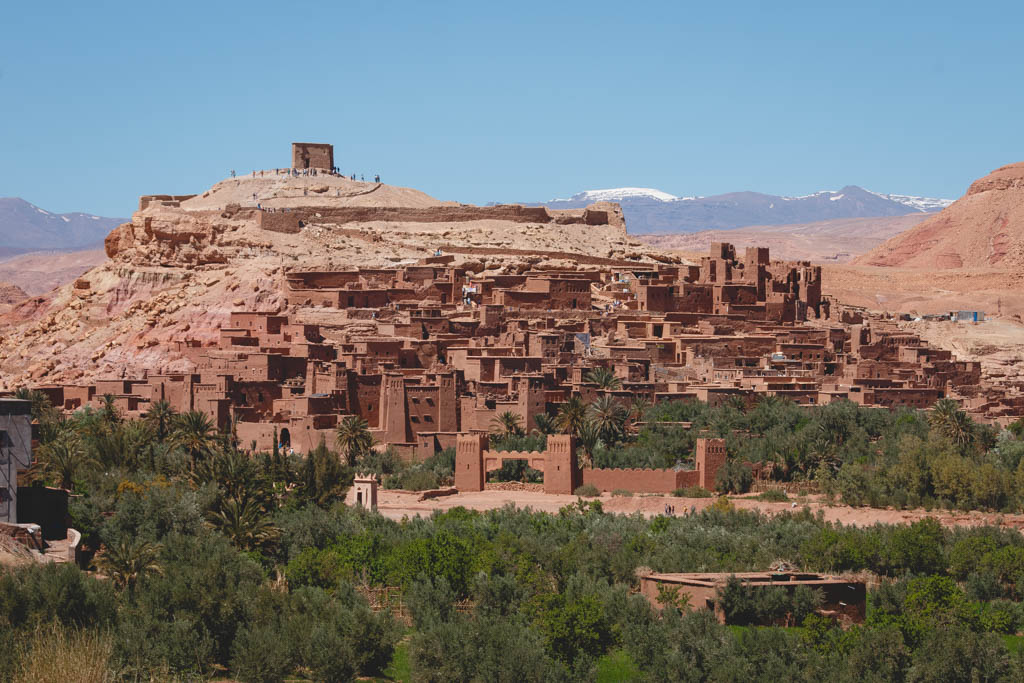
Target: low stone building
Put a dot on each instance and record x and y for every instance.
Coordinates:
(844, 599)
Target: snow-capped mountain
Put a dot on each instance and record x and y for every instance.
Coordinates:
(617, 194)
(922, 204)
(26, 227)
(654, 211)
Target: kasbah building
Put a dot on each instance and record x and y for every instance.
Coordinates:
(452, 349)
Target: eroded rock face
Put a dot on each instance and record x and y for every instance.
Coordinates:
(1009, 177)
(984, 229)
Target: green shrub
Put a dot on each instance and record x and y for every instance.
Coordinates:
(692, 492)
(587, 491)
(733, 477)
(773, 496)
(413, 480)
(625, 493)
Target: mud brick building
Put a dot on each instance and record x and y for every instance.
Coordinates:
(429, 353)
(844, 599)
(312, 155)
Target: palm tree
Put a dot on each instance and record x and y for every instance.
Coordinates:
(353, 437)
(637, 407)
(109, 411)
(545, 424)
(604, 379)
(737, 403)
(244, 522)
(608, 416)
(128, 560)
(161, 416)
(589, 437)
(195, 433)
(947, 419)
(507, 424)
(63, 458)
(572, 415)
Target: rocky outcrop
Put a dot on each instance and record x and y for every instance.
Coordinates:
(11, 294)
(983, 229)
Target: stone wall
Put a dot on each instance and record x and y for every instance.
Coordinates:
(280, 221)
(453, 214)
(639, 480)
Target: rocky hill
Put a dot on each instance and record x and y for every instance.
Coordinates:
(649, 211)
(982, 229)
(26, 227)
(182, 264)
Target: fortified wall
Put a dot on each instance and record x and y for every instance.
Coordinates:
(597, 214)
(562, 473)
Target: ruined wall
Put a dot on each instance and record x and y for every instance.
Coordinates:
(449, 214)
(279, 221)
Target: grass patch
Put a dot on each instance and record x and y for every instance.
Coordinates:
(617, 666)
(587, 491)
(692, 492)
(622, 492)
(773, 496)
(400, 668)
(1013, 643)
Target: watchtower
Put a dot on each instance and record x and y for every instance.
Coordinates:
(312, 155)
(710, 457)
(363, 492)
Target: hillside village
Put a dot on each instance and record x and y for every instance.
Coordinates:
(437, 346)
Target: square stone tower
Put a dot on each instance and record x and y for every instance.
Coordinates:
(312, 155)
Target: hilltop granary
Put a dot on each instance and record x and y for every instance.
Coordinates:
(312, 155)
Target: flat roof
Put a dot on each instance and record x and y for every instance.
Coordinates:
(15, 406)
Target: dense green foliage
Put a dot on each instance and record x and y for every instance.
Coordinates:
(225, 563)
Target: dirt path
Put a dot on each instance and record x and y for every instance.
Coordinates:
(396, 505)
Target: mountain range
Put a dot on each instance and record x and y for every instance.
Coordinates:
(25, 227)
(650, 211)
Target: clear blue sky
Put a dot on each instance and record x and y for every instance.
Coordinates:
(476, 101)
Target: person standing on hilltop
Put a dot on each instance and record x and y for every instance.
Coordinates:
(376, 178)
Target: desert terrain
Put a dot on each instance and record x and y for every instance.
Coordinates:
(38, 272)
(831, 241)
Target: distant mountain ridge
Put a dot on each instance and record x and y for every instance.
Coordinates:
(651, 211)
(26, 227)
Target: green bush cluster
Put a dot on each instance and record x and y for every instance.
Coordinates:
(221, 562)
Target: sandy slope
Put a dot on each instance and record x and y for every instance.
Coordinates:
(282, 191)
(40, 271)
